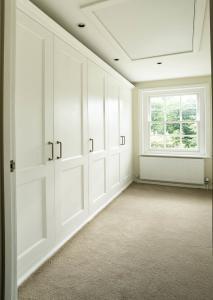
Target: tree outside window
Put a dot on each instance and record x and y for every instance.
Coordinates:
(174, 122)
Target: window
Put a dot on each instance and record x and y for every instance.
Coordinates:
(173, 121)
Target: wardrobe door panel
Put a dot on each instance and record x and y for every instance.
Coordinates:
(68, 100)
(113, 110)
(71, 141)
(34, 129)
(96, 106)
(113, 114)
(126, 134)
(114, 174)
(98, 161)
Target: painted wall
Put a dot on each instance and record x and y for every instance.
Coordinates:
(166, 83)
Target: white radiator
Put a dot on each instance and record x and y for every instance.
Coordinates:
(170, 169)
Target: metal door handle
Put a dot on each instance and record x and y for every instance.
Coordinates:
(91, 150)
(122, 140)
(124, 137)
(60, 155)
(52, 148)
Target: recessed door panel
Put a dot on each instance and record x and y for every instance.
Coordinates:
(126, 115)
(71, 141)
(68, 99)
(96, 107)
(126, 165)
(114, 170)
(31, 211)
(72, 193)
(30, 84)
(33, 131)
(99, 175)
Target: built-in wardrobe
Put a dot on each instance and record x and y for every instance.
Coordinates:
(73, 136)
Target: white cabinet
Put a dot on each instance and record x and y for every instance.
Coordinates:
(33, 131)
(69, 114)
(119, 104)
(126, 134)
(98, 159)
(113, 111)
(70, 130)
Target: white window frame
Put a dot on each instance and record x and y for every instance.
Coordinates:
(204, 135)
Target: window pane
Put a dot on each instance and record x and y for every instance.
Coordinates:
(173, 129)
(157, 142)
(189, 114)
(157, 116)
(173, 142)
(189, 128)
(189, 101)
(189, 107)
(157, 103)
(189, 142)
(157, 128)
(172, 108)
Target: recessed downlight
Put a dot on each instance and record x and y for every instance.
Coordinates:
(116, 59)
(81, 25)
(159, 63)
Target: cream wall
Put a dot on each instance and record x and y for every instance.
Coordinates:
(158, 84)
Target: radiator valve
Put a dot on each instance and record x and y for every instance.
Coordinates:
(206, 181)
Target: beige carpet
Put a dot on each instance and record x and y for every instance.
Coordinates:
(152, 242)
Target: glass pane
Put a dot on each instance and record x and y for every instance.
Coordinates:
(189, 114)
(157, 116)
(173, 129)
(189, 142)
(173, 142)
(157, 103)
(157, 128)
(157, 142)
(189, 101)
(189, 107)
(189, 128)
(173, 108)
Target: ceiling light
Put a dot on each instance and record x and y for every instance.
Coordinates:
(159, 63)
(81, 25)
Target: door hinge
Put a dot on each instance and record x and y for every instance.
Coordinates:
(12, 166)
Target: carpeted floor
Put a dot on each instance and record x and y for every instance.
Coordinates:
(152, 242)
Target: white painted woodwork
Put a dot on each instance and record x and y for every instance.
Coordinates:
(126, 132)
(113, 109)
(64, 93)
(34, 117)
(98, 159)
(70, 121)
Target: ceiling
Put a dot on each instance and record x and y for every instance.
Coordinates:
(141, 34)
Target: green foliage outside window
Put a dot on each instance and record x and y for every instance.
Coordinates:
(173, 122)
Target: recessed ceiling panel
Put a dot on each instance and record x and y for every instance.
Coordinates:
(150, 28)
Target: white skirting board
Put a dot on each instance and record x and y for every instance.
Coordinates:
(172, 169)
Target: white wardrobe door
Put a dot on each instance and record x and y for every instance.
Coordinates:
(98, 159)
(114, 132)
(126, 133)
(71, 141)
(34, 129)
